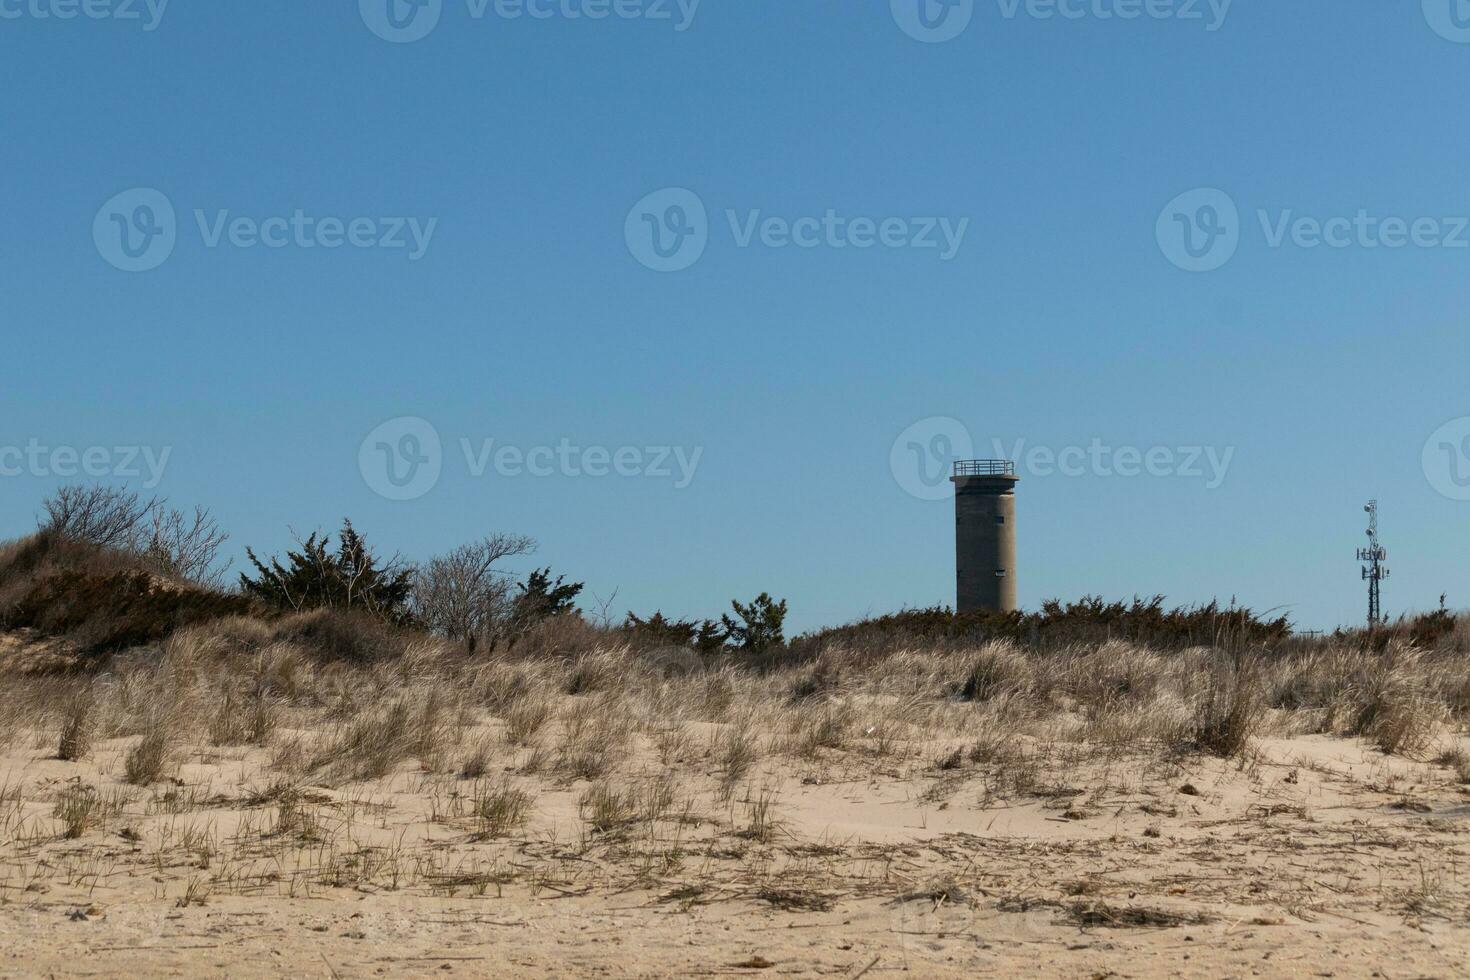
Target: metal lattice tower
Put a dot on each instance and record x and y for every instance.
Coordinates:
(1374, 571)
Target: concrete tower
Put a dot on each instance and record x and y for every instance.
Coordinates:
(985, 535)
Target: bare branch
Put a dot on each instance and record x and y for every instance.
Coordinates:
(461, 594)
(111, 517)
(175, 544)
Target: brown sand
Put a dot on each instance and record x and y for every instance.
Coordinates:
(1314, 856)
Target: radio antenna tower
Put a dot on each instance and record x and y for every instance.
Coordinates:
(1374, 571)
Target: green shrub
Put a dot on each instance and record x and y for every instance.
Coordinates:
(760, 626)
(706, 636)
(352, 577)
(1088, 621)
(542, 597)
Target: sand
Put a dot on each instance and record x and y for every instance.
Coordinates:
(1312, 856)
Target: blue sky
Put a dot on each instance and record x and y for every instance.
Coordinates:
(1063, 318)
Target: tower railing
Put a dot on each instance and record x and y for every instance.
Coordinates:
(984, 467)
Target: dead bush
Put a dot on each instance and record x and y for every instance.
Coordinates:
(525, 720)
(148, 759)
(80, 808)
(601, 670)
(1392, 703)
(502, 684)
(231, 637)
(78, 726)
(242, 721)
(374, 744)
(500, 808)
(1230, 711)
(822, 680)
(995, 669)
(343, 635)
(1113, 673)
(102, 597)
(606, 808)
(1406, 724)
(477, 763)
(1458, 760)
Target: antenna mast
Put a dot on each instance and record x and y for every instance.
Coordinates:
(1374, 571)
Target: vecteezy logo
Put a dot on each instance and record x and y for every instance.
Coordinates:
(401, 459)
(1199, 230)
(668, 230)
(1449, 18)
(923, 456)
(136, 230)
(1446, 459)
(401, 21)
(933, 21)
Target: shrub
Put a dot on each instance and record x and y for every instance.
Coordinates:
(173, 543)
(478, 762)
(242, 721)
(997, 669)
(374, 744)
(1426, 631)
(79, 808)
(343, 635)
(500, 808)
(542, 597)
(186, 546)
(605, 807)
(1089, 620)
(1230, 711)
(146, 761)
(706, 636)
(931, 628)
(462, 595)
(352, 578)
(525, 719)
(77, 727)
(760, 625)
(108, 517)
(102, 600)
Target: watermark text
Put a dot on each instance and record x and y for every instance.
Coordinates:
(1207, 463)
(40, 460)
(146, 13)
(669, 230)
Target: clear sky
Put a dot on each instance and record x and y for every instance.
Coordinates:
(528, 154)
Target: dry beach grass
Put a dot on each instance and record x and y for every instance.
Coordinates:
(233, 802)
